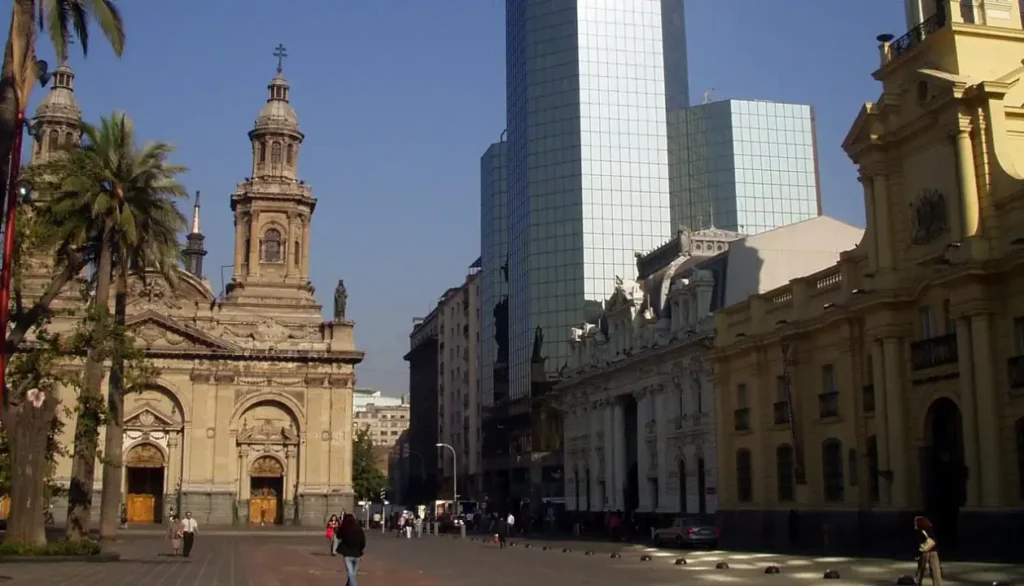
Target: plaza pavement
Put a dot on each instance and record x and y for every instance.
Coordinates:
(282, 558)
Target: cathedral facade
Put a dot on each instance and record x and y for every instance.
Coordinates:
(250, 418)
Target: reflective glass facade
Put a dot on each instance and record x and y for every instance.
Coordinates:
(588, 86)
(493, 253)
(751, 164)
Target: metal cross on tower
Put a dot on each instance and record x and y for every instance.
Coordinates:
(281, 52)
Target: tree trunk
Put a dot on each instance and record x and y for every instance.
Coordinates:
(27, 438)
(29, 319)
(23, 20)
(87, 426)
(113, 469)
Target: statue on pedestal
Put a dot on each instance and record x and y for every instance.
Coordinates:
(340, 300)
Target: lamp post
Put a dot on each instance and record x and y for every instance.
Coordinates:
(455, 474)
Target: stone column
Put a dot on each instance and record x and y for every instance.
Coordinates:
(173, 466)
(243, 474)
(643, 416)
(254, 243)
(661, 446)
(968, 184)
(594, 423)
(289, 254)
(236, 271)
(988, 415)
(879, 189)
(304, 273)
(968, 410)
(290, 477)
(619, 426)
(881, 418)
(609, 458)
(892, 351)
(871, 230)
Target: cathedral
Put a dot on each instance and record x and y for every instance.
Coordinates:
(250, 418)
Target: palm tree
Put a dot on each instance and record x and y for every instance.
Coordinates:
(60, 18)
(125, 196)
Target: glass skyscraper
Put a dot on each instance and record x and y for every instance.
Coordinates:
(588, 83)
(753, 164)
(493, 255)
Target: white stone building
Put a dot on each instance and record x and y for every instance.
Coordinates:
(638, 396)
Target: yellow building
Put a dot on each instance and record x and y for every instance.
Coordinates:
(901, 368)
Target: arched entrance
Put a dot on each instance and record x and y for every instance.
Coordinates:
(944, 476)
(266, 486)
(144, 475)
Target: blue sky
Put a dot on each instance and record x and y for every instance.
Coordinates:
(399, 98)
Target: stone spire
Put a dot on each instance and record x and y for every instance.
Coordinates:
(58, 116)
(194, 250)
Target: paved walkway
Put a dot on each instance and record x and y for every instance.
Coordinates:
(289, 560)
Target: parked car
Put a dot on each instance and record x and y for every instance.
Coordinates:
(688, 531)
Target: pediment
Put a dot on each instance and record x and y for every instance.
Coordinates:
(149, 290)
(863, 130)
(150, 416)
(154, 330)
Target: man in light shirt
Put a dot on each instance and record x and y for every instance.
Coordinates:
(511, 522)
(189, 528)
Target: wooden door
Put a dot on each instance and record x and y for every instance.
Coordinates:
(263, 510)
(5, 506)
(141, 508)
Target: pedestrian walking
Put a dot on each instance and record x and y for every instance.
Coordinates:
(189, 529)
(503, 530)
(331, 532)
(928, 552)
(510, 523)
(351, 544)
(175, 533)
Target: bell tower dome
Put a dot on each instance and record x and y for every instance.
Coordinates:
(276, 138)
(273, 207)
(57, 118)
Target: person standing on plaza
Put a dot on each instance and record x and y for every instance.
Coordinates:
(928, 552)
(331, 532)
(510, 523)
(189, 528)
(351, 544)
(174, 533)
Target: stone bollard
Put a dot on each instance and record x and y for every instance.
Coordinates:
(462, 530)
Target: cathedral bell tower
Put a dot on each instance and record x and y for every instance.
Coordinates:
(58, 117)
(273, 207)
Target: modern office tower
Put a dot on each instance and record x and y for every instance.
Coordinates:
(588, 85)
(752, 165)
(493, 256)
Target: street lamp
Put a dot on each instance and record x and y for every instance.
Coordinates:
(455, 475)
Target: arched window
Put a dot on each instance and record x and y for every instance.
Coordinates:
(54, 141)
(295, 252)
(872, 455)
(785, 465)
(69, 140)
(275, 153)
(744, 476)
(271, 246)
(290, 154)
(832, 469)
(1020, 455)
(261, 151)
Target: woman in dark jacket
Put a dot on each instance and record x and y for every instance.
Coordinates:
(351, 543)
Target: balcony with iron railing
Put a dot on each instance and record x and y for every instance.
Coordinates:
(867, 394)
(780, 413)
(1016, 372)
(828, 404)
(741, 419)
(933, 352)
(896, 49)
